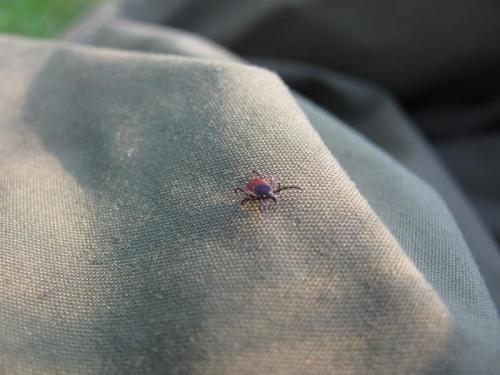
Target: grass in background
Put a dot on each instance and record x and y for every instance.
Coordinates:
(40, 18)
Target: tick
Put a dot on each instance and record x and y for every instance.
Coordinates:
(263, 190)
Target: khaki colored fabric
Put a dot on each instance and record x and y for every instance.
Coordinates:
(123, 248)
(362, 105)
(439, 58)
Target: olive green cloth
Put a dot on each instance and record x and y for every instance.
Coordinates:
(123, 248)
(362, 105)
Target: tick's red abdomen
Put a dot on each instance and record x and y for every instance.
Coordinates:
(252, 184)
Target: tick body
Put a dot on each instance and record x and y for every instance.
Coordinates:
(263, 190)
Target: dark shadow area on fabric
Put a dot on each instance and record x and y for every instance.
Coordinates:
(156, 152)
(82, 115)
(438, 58)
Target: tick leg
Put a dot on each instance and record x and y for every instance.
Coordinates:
(238, 189)
(280, 188)
(246, 200)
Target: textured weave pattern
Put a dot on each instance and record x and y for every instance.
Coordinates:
(423, 226)
(122, 245)
(360, 104)
(123, 248)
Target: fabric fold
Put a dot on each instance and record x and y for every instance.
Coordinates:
(123, 246)
(359, 104)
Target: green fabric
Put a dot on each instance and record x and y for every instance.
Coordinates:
(123, 248)
(362, 105)
(439, 58)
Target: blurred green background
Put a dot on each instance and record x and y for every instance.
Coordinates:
(41, 18)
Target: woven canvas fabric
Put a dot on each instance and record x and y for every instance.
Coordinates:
(372, 111)
(438, 58)
(362, 105)
(124, 249)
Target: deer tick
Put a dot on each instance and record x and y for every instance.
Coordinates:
(263, 190)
